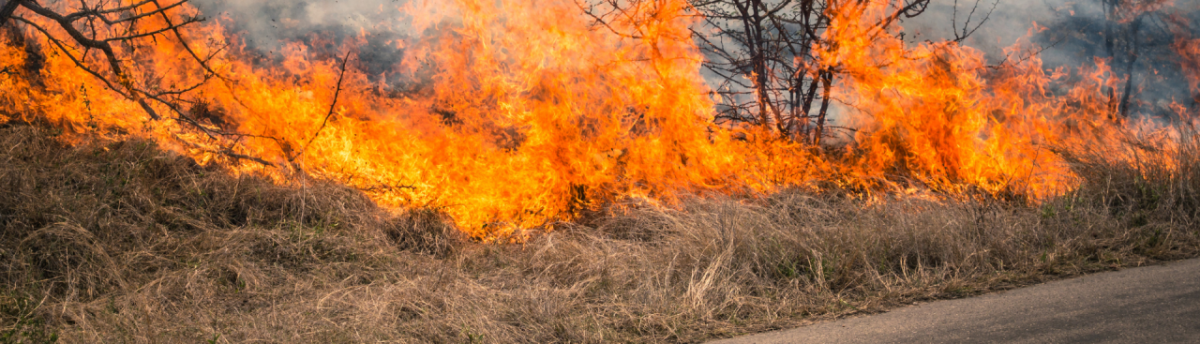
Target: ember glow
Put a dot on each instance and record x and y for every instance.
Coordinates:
(517, 114)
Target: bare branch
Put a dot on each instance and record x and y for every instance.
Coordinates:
(6, 10)
(332, 105)
(763, 52)
(113, 29)
(967, 30)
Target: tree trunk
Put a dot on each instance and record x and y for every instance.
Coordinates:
(1135, 47)
(827, 85)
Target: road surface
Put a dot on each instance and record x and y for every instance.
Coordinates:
(1154, 304)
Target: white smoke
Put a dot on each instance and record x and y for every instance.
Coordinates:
(1007, 22)
(264, 27)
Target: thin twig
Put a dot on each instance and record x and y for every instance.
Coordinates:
(332, 105)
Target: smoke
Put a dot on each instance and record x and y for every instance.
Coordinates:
(1000, 23)
(264, 27)
(268, 23)
(1072, 34)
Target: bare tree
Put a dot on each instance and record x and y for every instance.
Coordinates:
(1135, 38)
(764, 56)
(1120, 42)
(1134, 34)
(102, 37)
(97, 27)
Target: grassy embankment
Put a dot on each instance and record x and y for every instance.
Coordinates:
(122, 242)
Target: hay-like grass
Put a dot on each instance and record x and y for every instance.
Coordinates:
(122, 242)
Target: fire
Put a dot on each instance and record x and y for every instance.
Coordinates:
(522, 113)
(1189, 52)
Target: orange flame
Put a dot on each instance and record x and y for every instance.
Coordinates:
(524, 114)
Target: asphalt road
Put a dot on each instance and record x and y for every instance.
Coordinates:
(1154, 304)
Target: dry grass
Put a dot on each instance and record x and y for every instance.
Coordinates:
(125, 243)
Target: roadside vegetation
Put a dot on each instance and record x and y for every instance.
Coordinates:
(122, 242)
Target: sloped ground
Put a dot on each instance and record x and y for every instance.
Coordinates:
(123, 242)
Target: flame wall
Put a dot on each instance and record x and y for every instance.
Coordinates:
(514, 114)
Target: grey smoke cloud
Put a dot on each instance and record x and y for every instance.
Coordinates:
(1011, 20)
(1074, 34)
(268, 23)
(265, 26)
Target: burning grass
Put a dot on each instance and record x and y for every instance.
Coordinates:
(124, 242)
(509, 115)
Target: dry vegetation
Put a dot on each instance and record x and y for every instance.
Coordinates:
(122, 242)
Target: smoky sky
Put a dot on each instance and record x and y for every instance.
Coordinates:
(1065, 24)
(268, 22)
(1076, 34)
(265, 26)
(1008, 21)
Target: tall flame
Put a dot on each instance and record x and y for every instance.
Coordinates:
(522, 113)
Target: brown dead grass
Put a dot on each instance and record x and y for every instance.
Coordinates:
(122, 242)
